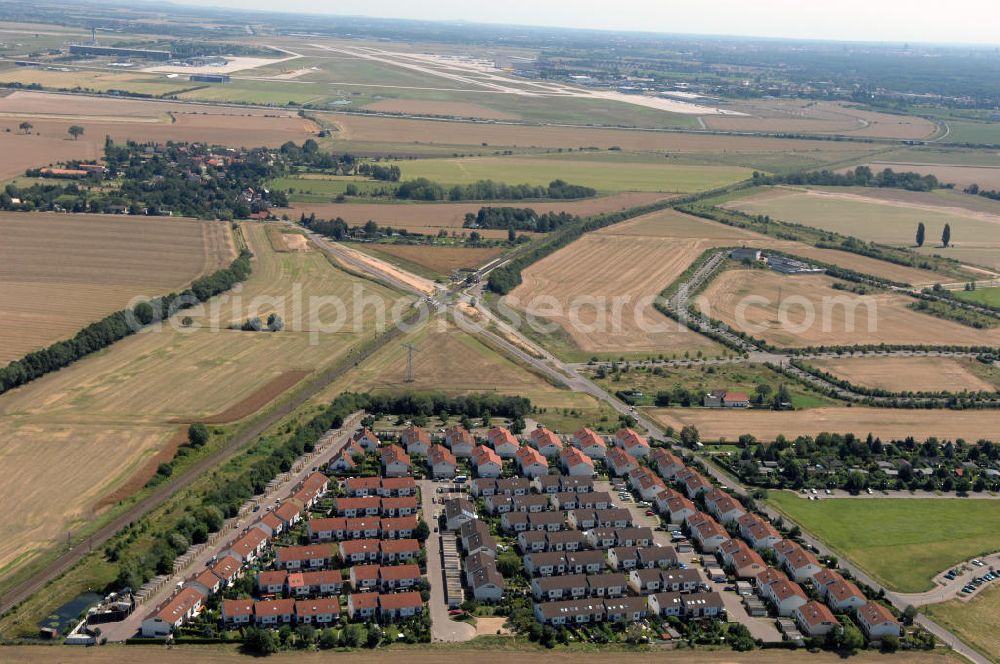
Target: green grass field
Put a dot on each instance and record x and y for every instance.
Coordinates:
(277, 93)
(732, 377)
(977, 622)
(901, 542)
(990, 296)
(973, 132)
(322, 189)
(591, 170)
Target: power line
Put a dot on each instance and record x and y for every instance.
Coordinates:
(409, 362)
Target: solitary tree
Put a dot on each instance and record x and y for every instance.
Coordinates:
(946, 236)
(76, 131)
(920, 234)
(25, 127)
(197, 434)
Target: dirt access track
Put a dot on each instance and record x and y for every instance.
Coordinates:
(429, 654)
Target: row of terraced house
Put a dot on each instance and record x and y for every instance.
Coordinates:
(232, 562)
(531, 455)
(365, 552)
(780, 586)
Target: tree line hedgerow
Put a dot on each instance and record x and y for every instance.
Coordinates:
(518, 219)
(422, 189)
(862, 176)
(121, 324)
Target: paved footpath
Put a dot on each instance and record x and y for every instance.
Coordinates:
(323, 453)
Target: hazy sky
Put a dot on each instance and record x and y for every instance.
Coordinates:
(960, 21)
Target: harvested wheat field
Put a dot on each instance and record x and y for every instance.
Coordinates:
(905, 374)
(460, 109)
(812, 313)
(287, 282)
(129, 119)
(214, 129)
(810, 117)
(447, 654)
(888, 423)
(672, 224)
(429, 218)
(638, 259)
(60, 272)
(106, 417)
(282, 241)
(889, 218)
(440, 260)
(603, 287)
(449, 360)
(21, 151)
(56, 472)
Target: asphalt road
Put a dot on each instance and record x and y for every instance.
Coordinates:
(443, 628)
(127, 628)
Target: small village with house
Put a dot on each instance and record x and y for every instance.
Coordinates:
(583, 531)
(579, 537)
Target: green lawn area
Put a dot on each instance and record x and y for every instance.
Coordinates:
(278, 93)
(973, 132)
(321, 189)
(901, 542)
(990, 296)
(977, 622)
(703, 379)
(605, 175)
